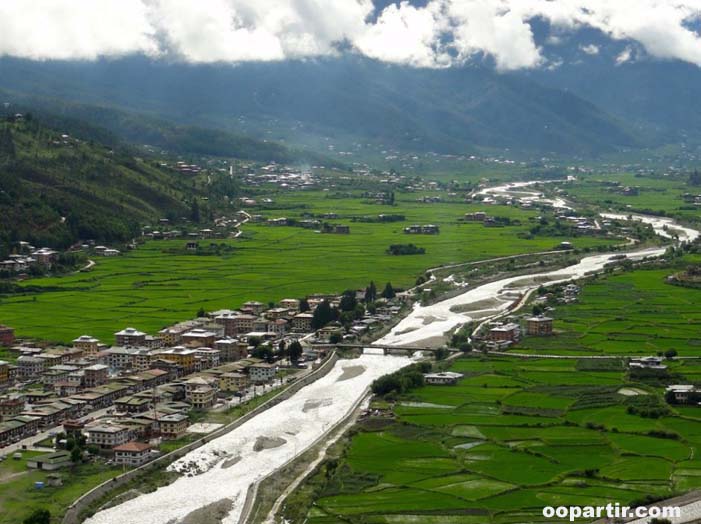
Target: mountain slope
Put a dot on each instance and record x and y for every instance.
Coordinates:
(55, 189)
(451, 111)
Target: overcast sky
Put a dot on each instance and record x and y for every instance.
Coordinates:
(442, 33)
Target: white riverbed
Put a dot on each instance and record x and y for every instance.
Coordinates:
(291, 421)
(429, 322)
(519, 191)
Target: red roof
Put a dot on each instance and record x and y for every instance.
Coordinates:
(133, 447)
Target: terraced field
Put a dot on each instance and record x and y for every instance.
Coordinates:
(632, 313)
(511, 437)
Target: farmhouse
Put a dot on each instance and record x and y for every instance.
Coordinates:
(647, 363)
(539, 326)
(682, 393)
(507, 332)
(442, 378)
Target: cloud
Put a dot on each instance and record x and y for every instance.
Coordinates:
(590, 49)
(433, 33)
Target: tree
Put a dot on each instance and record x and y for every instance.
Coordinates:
(323, 314)
(348, 301)
(303, 305)
(388, 291)
(670, 353)
(195, 211)
(39, 516)
(282, 348)
(201, 313)
(295, 351)
(371, 292)
(76, 455)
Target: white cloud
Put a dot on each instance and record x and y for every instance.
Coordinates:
(438, 34)
(590, 49)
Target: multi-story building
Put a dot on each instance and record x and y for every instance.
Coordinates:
(108, 436)
(231, 349)
(180, 355)
(132, 454)
(95, 375)
(7, 335)
(262, 372)
(539, 326)
(255, 308)
(233, 381)
(302, 322)
(4, 372)
(130, 337)
(173, 425)
(202, 397)
(89, 345)
(11, 407)
(291, 304)
(30, 367)
(131, 358)
(510, 332)
(199, 338)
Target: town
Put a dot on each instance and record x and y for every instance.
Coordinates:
(120, 399)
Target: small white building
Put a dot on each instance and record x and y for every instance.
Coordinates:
(443, 378)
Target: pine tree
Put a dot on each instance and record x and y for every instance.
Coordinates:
(388, 292)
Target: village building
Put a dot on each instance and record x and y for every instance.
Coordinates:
(647, 363)
(302, 322)
(7, 335)
(108, 436)
(95, 375)
(87, 344)
(130, 337)
(231, 349)
(50, 461)
(291, 304)
(510, 332)
(539, 326)
(442, 378)
(233, 382)
(173, 425)
(262, 372)
(132, 454)
(4, 372)
(30, 367)
(254, 307)
(181, 356)
(198, 338)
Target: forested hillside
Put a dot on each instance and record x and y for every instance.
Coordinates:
(56, 189)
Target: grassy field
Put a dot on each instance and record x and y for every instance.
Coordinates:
(151, 287)
(630, 313)
(512, 437)
(655, 193)
(20, 497)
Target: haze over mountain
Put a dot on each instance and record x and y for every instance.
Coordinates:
(573, 77)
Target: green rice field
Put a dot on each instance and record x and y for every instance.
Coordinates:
(511, 437)
(151, 287)
(626, 314)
